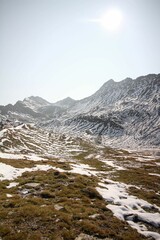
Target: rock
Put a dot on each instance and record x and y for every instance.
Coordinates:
(94, 216)
(83, 236)
(58, 207)
(24, 192)
(9, 195)
(33, 185)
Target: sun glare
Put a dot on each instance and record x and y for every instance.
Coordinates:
(111, 20)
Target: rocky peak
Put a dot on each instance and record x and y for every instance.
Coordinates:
(35, 102)
(65, 103)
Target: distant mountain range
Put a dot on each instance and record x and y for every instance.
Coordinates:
(125, 112)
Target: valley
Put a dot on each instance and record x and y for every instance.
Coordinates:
(69, 185)
(83, 169)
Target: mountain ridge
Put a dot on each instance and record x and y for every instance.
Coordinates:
(129, 109)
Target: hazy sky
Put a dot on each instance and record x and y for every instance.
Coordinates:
(60, 48)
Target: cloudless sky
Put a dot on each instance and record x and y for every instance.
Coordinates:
(51, 49)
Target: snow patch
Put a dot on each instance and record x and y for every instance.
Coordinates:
(20, 156)
(129, 208)
(83, 169)
(154, 174)
(12, 184)
(8, 172)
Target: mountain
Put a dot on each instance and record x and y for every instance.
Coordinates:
(35, 102)
(20, 111)
(129, 109)
(121, 94)
(123, 113)
(65, 169)
(66, 103)
(31, 109)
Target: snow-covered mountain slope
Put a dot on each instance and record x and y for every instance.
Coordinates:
(35, 102)
(31, 109)
(115, 96)
(26, 110)
(128, 110)
(66, 102)
(27, 139)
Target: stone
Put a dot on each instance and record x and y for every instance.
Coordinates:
(83, 236)
(32, 185)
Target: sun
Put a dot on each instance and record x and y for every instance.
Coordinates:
(111, 20)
